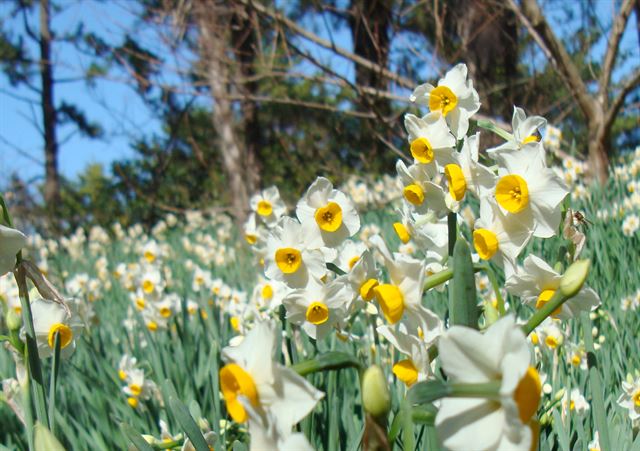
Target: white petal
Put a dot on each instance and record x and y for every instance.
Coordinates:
(467, 423)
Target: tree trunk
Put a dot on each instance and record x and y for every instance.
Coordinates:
(52, 177)
(599, 142)
(215, 38)
(245, 47)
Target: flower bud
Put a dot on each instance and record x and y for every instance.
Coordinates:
(375, 392)
(14, 321)
(574, 278)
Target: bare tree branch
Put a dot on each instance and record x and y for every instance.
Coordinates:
(632, 82)
(619, 24)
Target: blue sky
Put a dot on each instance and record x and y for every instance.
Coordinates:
(113, 103)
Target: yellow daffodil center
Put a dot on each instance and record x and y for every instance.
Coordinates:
(551, 341)
(152, 326)
(329, 217)
(534, 338)
(234, 382)
(456, 180)
(442, 99)
(402, 232)
(366, 289)
(122, 375)
(265, 208)
(512, 193)
(414, 194)
(636, 398)
(133, 402)
(149, 256)
(531, 139)
(421, 150)
(391, 301)
(317, 313)
(140, 303)
(65, 333)
(485, 242)
(267, 292)
(288, 259)
(406, 371)
(527, 394)
(251, 239)
(575, 360)
(545, 296)
(148, 286)
(165, 312)
(135, 389)
(235, 323)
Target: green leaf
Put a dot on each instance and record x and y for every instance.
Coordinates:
(324, 362)
(135, 438)
(187, 423)
(427, 392)
(463, 303)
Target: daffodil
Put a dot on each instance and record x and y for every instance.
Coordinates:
(454, 98)
(416, 367)
(537, 282)
(529, 190)
(363, 276)
(503, 420)
(328, 214)
(289, 259)
(630, 399)
(465, 174)
(402, 296)
(430, 140)
(574, 402)
(259, 390)
(51, 319)
(319, 307)
(526, 133)
(499, 237)
(549, 334)
(11, 241)
(421, 193)
(268, 206)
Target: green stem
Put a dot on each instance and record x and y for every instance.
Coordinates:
(488, 125)
(452, 225)
(496, 288)
(447, 274)
(543, 313)
(55, 366)
(483, 390)
(34, 369)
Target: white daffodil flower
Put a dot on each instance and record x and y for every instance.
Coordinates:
(416, 367)
(50, 319)
(500, 355)
(288, 258)
(139, 387)
(537, 282)
(594, 445)
(258, 389)
(526, 188)
(466, 174)
(319, 307)
(454, 98)
(265, 436)
(630, 399)
(11, 241)
(329, 215)
(268, 206)
(526, 133)
(549, 334)
(499, 237)
(349, 253)
(404, 292)
(426, 230)
(419, 190)
(255, 234)
(268, 294)
(575, 403)
(430, 140)
(363, 276)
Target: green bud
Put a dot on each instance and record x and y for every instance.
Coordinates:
(574, 278)
(44, 440)
(14, 321)
(375, 392)
(491, 314)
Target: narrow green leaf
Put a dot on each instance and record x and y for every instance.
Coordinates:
(427, 392)
(332, 360)
(396, 427)
(44, 440)
(463, 303)
(424, 415)
(335, 269)
(135, 438)
(187, 423)
(408, 434)
(55, 367)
